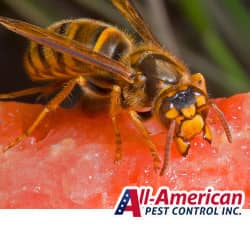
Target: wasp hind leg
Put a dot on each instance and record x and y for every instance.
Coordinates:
(115, 108)
(53, 104)
(25, 92)
(139, 125)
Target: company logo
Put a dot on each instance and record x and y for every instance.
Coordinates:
(140, 201)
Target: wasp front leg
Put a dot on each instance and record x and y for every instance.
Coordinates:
(115, 108)
(52, 105)
(139, 125)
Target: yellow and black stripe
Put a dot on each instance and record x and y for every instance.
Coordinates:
(43, 63)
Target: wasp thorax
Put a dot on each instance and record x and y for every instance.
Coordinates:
(158, 70)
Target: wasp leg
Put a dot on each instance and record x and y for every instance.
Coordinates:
(52, 105)
(115, 108)
(136, 120)
(25, 92)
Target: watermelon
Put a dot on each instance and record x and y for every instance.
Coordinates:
(68, 161)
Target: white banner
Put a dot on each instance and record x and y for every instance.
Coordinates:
(101, 229)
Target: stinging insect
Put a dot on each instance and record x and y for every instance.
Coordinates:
(104, 62)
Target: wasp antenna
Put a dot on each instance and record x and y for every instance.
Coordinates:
(223, 121)
(169, 140)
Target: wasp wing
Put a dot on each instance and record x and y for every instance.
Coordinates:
(136, 20)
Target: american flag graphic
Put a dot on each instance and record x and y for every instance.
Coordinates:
(132, 196)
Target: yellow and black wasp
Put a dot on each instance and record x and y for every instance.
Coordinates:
(100, 60)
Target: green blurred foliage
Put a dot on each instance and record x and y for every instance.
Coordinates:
(211, 36)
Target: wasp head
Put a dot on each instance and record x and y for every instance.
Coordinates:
(187, 106)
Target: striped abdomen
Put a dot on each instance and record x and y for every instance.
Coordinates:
(43, 63)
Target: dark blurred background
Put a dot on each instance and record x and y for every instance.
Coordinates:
(211, 36)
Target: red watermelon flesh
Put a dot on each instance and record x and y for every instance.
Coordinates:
(68, 161)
